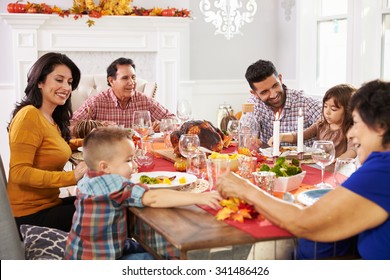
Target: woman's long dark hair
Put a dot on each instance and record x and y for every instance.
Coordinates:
(38, 73)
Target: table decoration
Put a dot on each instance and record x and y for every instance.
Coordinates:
(300, 148)
(276, 136)
(236, 210)
(90, 9)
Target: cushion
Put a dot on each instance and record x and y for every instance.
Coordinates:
(43, 243)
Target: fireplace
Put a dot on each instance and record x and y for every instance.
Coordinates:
(158, 45)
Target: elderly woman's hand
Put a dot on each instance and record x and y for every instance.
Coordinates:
(232, 185)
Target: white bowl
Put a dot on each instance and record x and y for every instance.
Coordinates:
(286, 184)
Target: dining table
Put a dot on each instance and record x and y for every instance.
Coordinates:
(193, 232)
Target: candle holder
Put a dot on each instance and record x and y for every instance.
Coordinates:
(300, 156)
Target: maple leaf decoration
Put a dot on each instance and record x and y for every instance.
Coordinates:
(236, 210)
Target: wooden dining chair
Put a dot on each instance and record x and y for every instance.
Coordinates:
(11, 247)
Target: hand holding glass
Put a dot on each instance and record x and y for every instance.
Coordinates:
(323, 154)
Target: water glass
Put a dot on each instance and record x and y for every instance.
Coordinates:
(247, 140)
(215, 168)
(167, 126)
(343, 169)
(188, 144)
(145, 155)
(323, 154)
(265, 180)
(246, 165)
(197, 165)
(183, 110)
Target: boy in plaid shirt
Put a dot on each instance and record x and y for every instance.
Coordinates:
(99, 229)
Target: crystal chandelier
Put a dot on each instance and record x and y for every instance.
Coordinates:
(228, 17)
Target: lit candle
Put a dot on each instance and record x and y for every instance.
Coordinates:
(276, 138)
(300, 131)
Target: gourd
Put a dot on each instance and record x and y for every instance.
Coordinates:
(82, 128)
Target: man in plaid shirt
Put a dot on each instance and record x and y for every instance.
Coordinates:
(272, 97)
(117, 103)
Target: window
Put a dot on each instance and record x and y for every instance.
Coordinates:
(332, 43)
(341, 41)
(385, 73)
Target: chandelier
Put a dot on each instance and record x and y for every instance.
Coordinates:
(228, 17)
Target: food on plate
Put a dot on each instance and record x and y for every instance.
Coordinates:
(160, 180)
(283, 168)
(210, 137)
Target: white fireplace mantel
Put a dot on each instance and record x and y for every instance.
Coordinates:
(165, 38)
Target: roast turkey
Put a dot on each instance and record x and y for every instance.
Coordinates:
(210, 137)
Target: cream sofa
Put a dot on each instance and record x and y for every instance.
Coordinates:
(93, 84)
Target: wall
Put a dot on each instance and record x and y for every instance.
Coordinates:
(217, 65)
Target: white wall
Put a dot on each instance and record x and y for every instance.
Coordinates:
(217, 65)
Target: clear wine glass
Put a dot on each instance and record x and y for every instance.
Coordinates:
(232, 129)
(343, 169)
(142, 124)
(183, 110)
(323, 154)
(167, 126)
(188, 144)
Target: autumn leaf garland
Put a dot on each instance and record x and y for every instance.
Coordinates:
(236, 210)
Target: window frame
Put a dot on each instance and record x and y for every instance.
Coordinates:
(364, 43)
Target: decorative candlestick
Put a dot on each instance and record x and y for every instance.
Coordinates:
(300, 134)
(276, 138)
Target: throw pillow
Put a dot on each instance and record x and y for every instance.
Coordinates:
(43, 243)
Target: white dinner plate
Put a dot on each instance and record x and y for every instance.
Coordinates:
(292, 151)
(173, 185)
(311, 196)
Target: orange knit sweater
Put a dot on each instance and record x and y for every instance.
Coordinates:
(38, 156)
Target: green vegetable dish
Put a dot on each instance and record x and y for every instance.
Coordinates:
(148, 180)
(283, 168)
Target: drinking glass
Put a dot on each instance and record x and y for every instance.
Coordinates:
(188, 144)
(183, 110)
(265, 180)
(215, 168)
(142, 124)
(323, 154)
(343, 169)
(197, 165)
(232, 129)
(144, 156)
(167, 126)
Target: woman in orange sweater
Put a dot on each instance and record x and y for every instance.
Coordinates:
(40, 145)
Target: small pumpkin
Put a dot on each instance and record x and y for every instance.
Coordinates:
(225, 120)
(82, 128)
